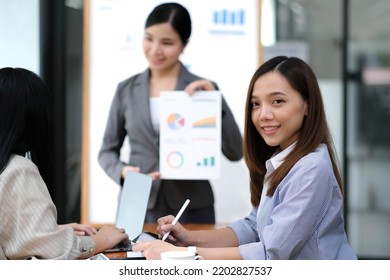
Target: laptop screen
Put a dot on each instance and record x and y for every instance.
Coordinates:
(133, 203)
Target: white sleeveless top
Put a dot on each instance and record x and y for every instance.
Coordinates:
(154, 104)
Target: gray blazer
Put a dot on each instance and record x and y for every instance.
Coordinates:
(130, 115)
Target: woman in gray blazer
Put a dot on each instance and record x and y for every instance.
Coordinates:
(134, 113)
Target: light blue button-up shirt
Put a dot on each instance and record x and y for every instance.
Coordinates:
(304, 217)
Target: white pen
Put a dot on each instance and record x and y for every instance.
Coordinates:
(177, 217)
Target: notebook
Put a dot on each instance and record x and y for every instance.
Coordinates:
(132, 208)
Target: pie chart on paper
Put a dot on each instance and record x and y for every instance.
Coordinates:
(175, 121)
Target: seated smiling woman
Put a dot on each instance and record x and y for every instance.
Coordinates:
(295, 184)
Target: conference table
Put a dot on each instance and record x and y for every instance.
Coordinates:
(152, 228)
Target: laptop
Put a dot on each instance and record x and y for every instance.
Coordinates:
(132, 208)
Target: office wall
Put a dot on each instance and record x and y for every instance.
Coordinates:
(19, 29)
(219, 49)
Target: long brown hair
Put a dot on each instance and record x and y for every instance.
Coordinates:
(314, 130)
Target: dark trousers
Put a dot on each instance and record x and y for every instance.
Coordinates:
(205, 215)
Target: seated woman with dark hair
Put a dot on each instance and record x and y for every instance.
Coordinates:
(28, 215)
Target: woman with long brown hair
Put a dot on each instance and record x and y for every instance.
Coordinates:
(296, 188)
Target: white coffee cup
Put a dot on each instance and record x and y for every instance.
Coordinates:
(179, 255)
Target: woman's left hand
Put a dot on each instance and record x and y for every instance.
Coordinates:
(152, 250)
(81, 229)
(199, 85)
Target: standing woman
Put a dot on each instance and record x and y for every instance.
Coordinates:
(295, 184)
(135, 112)
(28, 216)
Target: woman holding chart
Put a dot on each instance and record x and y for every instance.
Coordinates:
(134, 113)
(295, 184)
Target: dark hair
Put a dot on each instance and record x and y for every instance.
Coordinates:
(314, 130)
(25, 119)
(176, 15)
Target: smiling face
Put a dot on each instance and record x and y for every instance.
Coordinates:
(278, 110)
(162, 47)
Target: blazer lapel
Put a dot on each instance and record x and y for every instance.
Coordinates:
(185, 77)
(141, 95)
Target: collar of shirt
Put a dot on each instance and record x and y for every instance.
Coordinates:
(274, 162)
(277, 158)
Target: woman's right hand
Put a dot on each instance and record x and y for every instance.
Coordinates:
(108, 236)
(178, 235)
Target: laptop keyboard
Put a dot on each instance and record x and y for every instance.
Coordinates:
(122, 246)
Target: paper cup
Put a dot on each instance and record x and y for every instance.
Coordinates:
(179, 255)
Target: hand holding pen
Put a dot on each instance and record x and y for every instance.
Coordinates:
(176, 219)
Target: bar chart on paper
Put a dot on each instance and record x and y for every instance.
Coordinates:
(206, 162)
